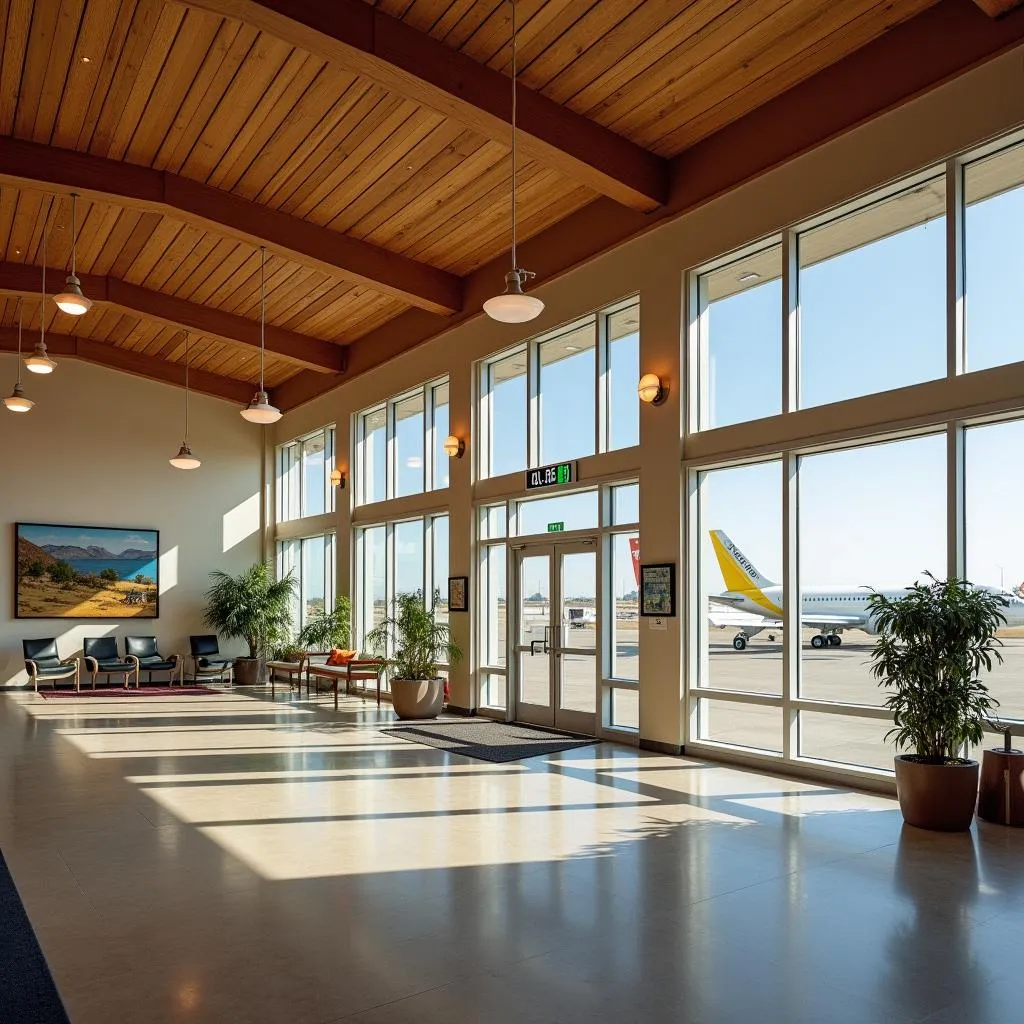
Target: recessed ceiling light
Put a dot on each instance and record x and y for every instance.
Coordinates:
(748, 276)
(87, 60)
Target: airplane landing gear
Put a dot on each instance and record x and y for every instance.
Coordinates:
(739, 642)
(819, 641)
(826, 640)
(835, 640)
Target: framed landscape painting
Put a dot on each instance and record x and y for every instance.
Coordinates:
(86, 572)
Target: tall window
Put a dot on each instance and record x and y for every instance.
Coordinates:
(304, 476)
(563, 396)
(399, 445)
(311, 561)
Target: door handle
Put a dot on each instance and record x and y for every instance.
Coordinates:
(533, 647)
(547, 639)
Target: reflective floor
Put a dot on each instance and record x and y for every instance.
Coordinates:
(233, 859)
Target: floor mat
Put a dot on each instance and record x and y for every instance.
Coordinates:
(27, 992)
(488, 741)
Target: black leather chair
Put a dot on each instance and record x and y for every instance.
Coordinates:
(43, 662)
(207, 661)
(102, 659)
(142, 651)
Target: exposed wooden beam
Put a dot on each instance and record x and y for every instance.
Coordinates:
(32, 165)
(300, 349)
(414, 65)
(995, 8)
(136, 363)
(909, 60)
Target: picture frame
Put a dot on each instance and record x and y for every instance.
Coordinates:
(458, 593)
(86, 572)
(658, 590)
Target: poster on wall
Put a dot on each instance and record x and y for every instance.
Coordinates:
(86, 572)
(658, 590)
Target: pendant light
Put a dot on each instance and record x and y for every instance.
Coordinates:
(40, 361)
(259, 410)
(16, 401)
(185, 459)
(513, 306)
(71, 300)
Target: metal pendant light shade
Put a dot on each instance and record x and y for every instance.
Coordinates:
(259, 410)
(185, 459)
(513, 306)
(16, 400)
(71, 300)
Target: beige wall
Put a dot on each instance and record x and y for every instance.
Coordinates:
(94, 452)
(970, 110)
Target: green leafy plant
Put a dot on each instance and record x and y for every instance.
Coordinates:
(934, 643)
(419, 643)
(328, 629)
(252, 606)
(109, 575)
(62, 574)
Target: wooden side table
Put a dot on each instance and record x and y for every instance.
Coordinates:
(288, 668)
(1001, 792)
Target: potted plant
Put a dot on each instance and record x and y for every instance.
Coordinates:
(328, 629)
(253, 607)
(934, 642)
(418, 643)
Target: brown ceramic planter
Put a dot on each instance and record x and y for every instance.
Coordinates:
(247, 671)
(417, 698)
(940, 797)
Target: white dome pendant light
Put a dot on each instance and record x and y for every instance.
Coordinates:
(16, 401)
(71, 300)
(259, 410)
(40, 361)
(513, 306)
(185, 459)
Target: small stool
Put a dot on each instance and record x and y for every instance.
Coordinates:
(1001, 792)
(288, 668)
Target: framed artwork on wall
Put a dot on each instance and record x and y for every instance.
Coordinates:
(458, 593)
(658, 589)
(85, 572)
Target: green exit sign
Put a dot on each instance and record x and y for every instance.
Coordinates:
(555, 475)
(556, 527)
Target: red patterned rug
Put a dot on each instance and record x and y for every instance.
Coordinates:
(120, 691)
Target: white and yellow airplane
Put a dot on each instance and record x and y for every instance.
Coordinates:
(829, 609)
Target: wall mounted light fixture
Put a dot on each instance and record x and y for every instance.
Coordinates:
(651, 390)
(337, 478)
(454, 447)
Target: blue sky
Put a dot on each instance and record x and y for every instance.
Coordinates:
(114, 540)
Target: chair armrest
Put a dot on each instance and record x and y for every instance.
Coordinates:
(31, 668)
(177, 658)
(133, 659)
(94, 666)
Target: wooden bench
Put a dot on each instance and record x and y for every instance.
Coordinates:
(290, 669)
(368, 668)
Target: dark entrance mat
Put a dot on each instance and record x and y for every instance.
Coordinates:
(27, 992)
(487, 740)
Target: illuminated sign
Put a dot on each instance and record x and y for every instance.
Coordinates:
(556, 475)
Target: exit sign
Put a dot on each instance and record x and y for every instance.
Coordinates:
(556, 527)
(556, 475)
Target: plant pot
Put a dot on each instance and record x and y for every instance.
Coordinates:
(247, 671)
(940, 797)
(417, 698)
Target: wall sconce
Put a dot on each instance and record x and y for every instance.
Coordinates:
(651, 390)
(454, 447)
(337, 478)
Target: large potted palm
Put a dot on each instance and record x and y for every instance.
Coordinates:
(255, 608)
(934, 644)
(418, 644)
(328, 629)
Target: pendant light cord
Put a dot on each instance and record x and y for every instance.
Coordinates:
(42, 308)
(515, 70)
(263, 309)
(21, 307)
(186, 389)
(74, 232)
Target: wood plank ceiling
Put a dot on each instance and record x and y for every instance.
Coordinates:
(371, 202)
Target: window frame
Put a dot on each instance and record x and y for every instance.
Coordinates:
(290, 474)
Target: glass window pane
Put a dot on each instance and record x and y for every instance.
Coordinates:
(847, 740)
(626, 596)
(493, 690)
(741, 339)
(288, 483)
(567, 414)
(288, 553)
(743, 725)
(314, 583)
(622, 376)
(575, 511)
(870, 518)
(994, 496)
(409, 557)
(625, 709)
(506, 414)
(375, 457)
(872, 298)
(409, 437)
(314, 475)
(371, 582)
(739, 578)
(994, 259)
(493, 521)
(439, 542)
(442, 461)
(493, 605)
(625, 504)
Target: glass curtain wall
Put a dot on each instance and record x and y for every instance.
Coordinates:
(311, 560)
(304, 476)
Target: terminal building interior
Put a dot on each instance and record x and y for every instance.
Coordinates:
(511, 511)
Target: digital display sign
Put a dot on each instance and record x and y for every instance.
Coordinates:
(555, 475)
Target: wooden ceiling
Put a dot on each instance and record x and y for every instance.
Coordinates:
(366, 145)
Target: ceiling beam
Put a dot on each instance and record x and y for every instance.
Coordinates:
(409, 63)
(136, 363)
(944, 41)
(995, 8)
(300, 349)
(33, 165)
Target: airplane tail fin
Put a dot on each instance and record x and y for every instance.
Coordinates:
(738, 571)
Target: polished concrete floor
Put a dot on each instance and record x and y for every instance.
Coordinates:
(233, 859)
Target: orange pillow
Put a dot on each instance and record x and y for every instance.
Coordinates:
(340, 657)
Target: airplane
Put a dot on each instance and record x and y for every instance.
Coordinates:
(829, 609)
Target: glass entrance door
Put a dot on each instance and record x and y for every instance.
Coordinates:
(557, 636)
